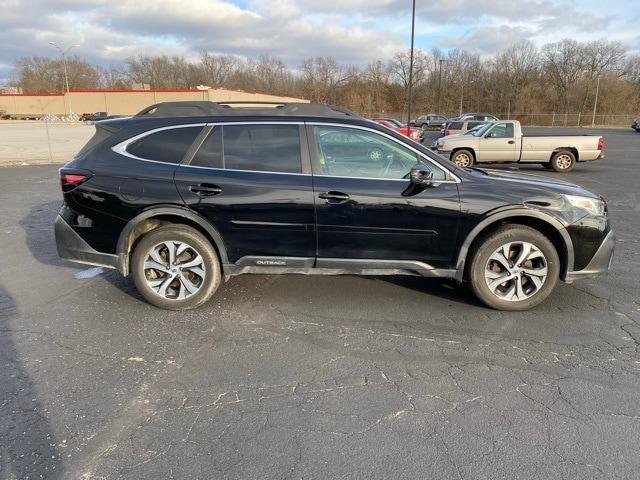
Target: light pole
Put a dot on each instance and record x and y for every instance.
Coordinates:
(462, 92)
(413, 26)
(63, 51)
(595, 103)
(441, 61)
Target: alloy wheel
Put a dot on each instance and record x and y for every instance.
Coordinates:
(174, 270)
(463, 160)
(564, 161)
(516, 271)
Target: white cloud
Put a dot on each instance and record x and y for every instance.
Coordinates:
(354, 31)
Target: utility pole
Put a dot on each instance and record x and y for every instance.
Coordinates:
(595, 103)
(413, 26)
(442, 60)
(63, 51)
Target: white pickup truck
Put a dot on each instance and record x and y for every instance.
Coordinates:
(503, 142)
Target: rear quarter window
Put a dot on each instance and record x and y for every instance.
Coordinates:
(455, 126)
(167, 146)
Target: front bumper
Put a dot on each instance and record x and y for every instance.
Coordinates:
(600, 263)
(72, 247)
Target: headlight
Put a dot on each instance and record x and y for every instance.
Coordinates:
(594, 206)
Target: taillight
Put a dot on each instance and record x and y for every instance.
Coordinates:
(70, 180)
(601, 143)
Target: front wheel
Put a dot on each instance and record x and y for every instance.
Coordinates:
(514, 268)
(563, 161)
(175, 267)
(462, 158)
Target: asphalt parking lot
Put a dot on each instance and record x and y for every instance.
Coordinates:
(315, 377)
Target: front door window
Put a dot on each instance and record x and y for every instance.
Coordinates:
(350, 152)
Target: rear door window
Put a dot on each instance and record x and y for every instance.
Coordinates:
(169, 145)
(455, 126)
(210, 152)
(268, 148)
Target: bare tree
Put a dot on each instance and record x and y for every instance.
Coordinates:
(39, 74)
(522, 78)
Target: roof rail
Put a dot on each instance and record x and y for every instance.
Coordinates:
(182, 109)
(207, 109)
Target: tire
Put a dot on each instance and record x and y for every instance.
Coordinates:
(487, 267)
(563, 161)
(184, 287)
(463, 158)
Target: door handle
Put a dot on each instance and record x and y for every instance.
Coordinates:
(205, 190)
(334, 197)
(511, 142)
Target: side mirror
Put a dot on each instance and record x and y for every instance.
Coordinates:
(421, 176)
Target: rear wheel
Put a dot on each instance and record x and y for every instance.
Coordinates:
(462, 158)
(175, 267)
(563, 161)
(514, 268)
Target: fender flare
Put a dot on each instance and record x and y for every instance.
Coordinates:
(505, 214)
(122, 250)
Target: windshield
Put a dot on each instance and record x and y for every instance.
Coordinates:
(481, 129)
(475, 129)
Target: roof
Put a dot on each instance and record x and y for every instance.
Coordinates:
(244, 109)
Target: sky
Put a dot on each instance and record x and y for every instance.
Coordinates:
(352, 31)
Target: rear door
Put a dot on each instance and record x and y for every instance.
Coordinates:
(364, 207)
(498, 144)
(252, 181)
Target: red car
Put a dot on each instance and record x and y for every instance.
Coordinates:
(413, 133)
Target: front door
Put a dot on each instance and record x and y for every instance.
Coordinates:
(498, 144)
(251, 183)
(364, 208)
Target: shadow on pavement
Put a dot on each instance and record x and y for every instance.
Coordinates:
(27, 444)
(38, 226)
(441, 288)
(40, 239)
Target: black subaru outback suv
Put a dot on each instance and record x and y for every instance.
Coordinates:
(184, 194)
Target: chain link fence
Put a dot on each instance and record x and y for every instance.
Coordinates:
(552, 119)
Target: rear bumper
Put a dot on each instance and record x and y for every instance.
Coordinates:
(73, 248)
(599, 156)
(600, 264)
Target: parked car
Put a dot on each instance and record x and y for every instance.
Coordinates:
(636, 124)
(460, 126)
(411, 132)
(430, 120)
(484, 117)
(503, 142)
(186, 194)
(94, 117)
(97, 117)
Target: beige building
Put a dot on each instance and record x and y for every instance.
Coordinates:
(119, 102)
